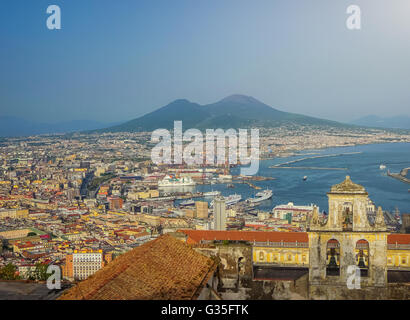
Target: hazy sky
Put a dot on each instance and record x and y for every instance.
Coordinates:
(116, 60)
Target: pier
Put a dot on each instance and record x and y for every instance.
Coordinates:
(400, 176)
(309, 168)
(252, 185)
(282, 165)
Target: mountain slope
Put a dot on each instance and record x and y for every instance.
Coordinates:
(398, 122)
(236, 111)
(190, 114)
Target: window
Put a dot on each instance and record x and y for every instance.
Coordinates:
(289, 257)
(404, 260)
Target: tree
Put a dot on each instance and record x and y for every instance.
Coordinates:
(41, 271)
(8, 272)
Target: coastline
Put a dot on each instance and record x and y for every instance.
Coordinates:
(298, 152)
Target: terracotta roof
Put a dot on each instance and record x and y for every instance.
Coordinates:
(165, 268)
(398, 238)
(195, 236)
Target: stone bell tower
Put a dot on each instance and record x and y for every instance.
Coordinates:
(347, 238)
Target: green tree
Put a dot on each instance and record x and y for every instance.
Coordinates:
(8, 272)
(41, 271)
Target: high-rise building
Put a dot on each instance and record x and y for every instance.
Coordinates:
(201, 208)
(219, 214)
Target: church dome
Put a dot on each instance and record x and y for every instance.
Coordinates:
(348, 186)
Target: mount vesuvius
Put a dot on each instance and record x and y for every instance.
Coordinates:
(235, 111)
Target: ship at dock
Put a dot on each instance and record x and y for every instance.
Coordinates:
(170, 181)
(230, 200)
(261, 196)
(211, 193)
(185, 203)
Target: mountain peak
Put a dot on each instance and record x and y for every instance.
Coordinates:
(179, 101)
(240, 98)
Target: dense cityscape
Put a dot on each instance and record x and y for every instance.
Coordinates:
(66, 197)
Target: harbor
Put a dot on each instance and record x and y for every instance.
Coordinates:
(309, 183)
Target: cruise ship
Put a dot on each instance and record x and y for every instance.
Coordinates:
(169, 181)
(230, 200)
(261, 196)
(189, 202)
(211, 194)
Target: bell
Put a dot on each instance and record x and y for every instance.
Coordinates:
(361, 263)
(332, 262)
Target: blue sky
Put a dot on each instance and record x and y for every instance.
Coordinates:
(116, 60)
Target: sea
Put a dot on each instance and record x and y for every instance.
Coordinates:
(361, 163)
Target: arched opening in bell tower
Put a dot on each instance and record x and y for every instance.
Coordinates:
(333, 258)
(362, 257)
(347, 219)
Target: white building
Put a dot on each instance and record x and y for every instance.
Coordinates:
(219, 214)
(86, 264)
(282, 210)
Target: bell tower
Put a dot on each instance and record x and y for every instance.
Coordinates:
(347, 238)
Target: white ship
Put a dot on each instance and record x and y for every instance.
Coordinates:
(382, 167)
(211, 193)
(169, 181)
(261, 196)
(189, 202)
(230, 200)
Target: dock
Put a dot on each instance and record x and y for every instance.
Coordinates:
(309, 168)
(281, 165)
(399, 176)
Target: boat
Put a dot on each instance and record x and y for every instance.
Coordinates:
(304, 178)
(261, 196)
(169, 181)
(189, 202)
(230, 200)
(211, 194)
(230, 185)
(382, 167)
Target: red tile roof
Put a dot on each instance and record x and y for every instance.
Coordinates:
(165, 268)
(398, 238)
(195, 236)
